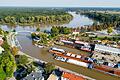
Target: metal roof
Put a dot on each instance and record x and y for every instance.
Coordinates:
(107, 49)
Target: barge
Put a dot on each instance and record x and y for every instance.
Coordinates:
(83, 61)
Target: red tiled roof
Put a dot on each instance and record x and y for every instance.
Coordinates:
(1, 41)
(72, 76)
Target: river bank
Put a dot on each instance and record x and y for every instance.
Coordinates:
(44, 55)
(12, 42)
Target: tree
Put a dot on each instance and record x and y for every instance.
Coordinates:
(23, 60)
(38, 29)
(5, 45)
(54, 31)
(33, 35)
(14, 51)
(7, 64)
(66, 30)
(22, 20)
(14, 30)
(2, 73)
(1, 31)
(49, 67)
(110, 30)
(43, 37)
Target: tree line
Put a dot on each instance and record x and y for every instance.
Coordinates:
(102, 17)
(105, 19)
(33, 15)
(56, 30)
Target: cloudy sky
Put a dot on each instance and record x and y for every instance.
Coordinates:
(61, 3)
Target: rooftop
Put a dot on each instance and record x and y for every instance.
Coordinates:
(107, 49)
(69, 76)
(34, 76)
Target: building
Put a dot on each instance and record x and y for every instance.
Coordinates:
(62, 75)
(70, 76)
(53, 77)
(106, 49)
(34, 76)
(56, 75)
(1, 49)
(75, 31)
(1, 41)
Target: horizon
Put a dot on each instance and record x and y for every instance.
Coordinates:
(60, 3)
(57, 7)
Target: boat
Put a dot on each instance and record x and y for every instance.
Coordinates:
(79, 60)
(69, 57)
(40, 46)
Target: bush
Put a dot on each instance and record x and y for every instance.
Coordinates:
(49, 67)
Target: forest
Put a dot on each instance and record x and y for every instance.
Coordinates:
(102, 21)
(23, 15)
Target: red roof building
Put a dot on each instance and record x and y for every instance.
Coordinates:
(70, 76)
(1, 41)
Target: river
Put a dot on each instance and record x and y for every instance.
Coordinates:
(43, 54)
(77, 21)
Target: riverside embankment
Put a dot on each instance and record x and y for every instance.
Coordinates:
(12, 40)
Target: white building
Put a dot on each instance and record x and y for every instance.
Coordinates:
(1, 49)
(107, 49)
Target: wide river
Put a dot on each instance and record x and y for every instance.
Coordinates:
(43, 54)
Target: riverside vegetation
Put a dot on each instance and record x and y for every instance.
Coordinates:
(28, 16)
(7, 61)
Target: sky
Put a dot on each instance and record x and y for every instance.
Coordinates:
(61, 3)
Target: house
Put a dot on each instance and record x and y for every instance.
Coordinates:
(70, 76)
(1, 49)
(56, 75)
(91, 34)
(75, 31)
(62, 75)
(34, 76)
(1, 41)
(53, 77)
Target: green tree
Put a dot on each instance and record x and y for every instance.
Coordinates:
(54, 31)
(49, 67)
(33, 35)
(43, 38)
(22, 20)
(1, 31)
(2, 73)
(66, 30)
(14, 51)
(22, 60)
(7, 63)
(38, 29)
(110, 30)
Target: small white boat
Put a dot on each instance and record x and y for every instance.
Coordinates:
(40, 46)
